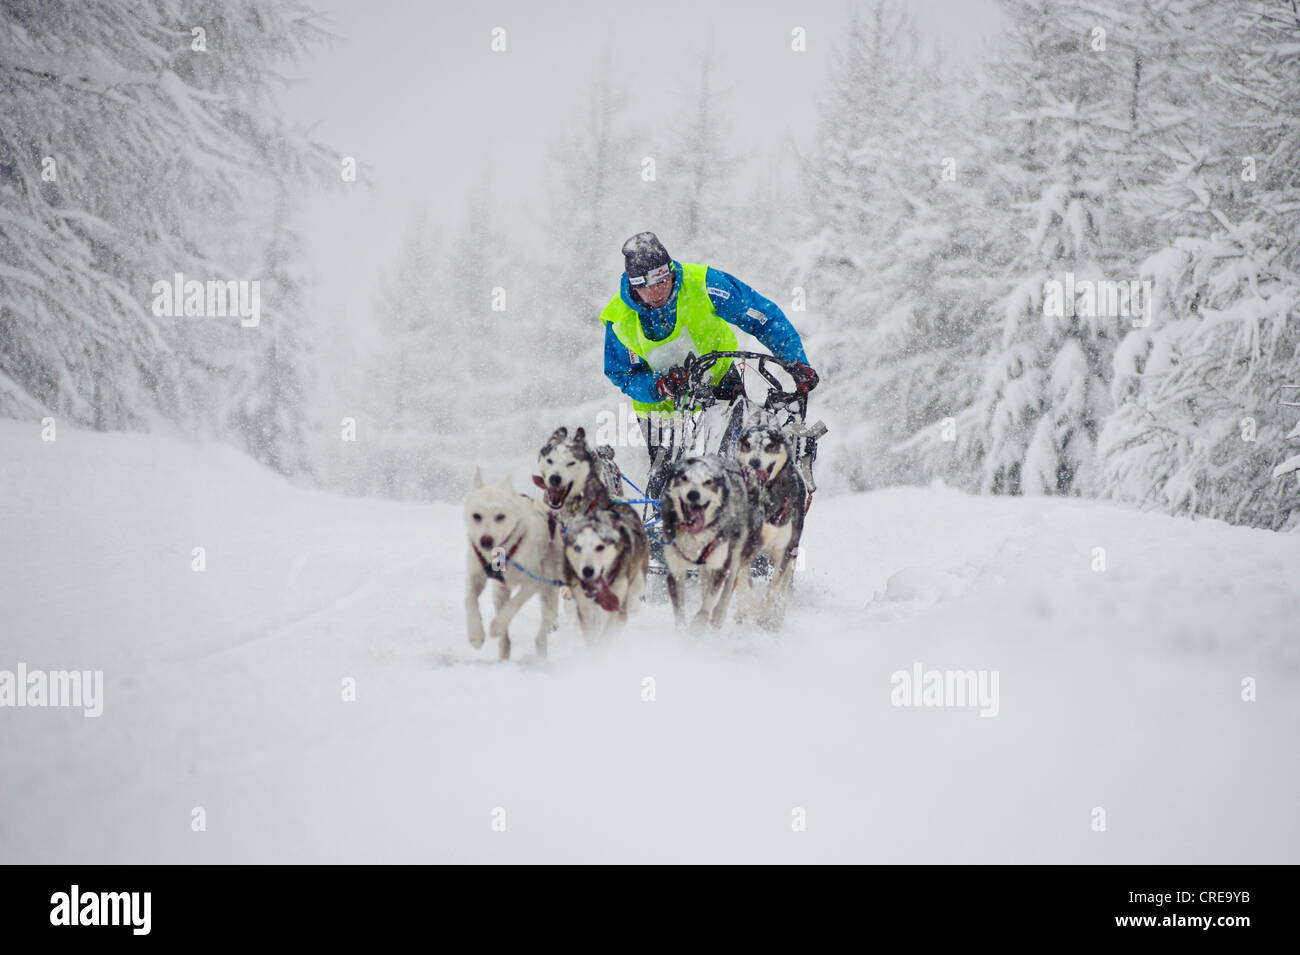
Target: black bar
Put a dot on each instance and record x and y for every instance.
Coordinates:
(331, 904)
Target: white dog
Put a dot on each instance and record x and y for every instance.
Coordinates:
(510, 543)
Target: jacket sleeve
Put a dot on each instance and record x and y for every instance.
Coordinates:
(630, 374)
(752, 313)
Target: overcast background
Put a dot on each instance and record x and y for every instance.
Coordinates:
(415, 94)
(908, 190)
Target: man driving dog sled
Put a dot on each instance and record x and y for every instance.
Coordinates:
(666, 310)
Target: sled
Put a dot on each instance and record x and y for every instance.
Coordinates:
(714, 427)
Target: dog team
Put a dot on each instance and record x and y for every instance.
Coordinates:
(581, 541)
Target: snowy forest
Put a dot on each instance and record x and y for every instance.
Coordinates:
(1073, 270)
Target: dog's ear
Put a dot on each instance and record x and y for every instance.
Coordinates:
(560, 434)
(625, 541)
(477, 480)
(580, 436)
(507, 483)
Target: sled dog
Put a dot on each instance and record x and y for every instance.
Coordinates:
(511, 544)
(607, 555)
(573, 475)
(711, 519)
(765, 452)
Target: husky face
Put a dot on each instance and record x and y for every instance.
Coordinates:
(698, 490)
(492, 513)
(565, 464)
(764, 451)
(592, 547)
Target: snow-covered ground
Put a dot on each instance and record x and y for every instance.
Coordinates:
(1118, 689)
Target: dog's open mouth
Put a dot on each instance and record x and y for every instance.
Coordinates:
(598, 590)
(555, 496)
(762, 475)
(693, 517)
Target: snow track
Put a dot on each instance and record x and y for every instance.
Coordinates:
(1119, 689)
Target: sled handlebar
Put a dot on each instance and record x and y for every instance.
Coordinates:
(697, 367)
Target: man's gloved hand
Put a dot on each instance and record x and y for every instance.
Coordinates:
(805, 379)
(674, 384)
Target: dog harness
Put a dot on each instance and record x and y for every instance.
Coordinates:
(505, 559)
(491, 570)
(708, 549)
(785, 505)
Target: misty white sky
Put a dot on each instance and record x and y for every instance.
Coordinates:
(413, 91)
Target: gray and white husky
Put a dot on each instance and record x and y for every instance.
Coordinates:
(607, 555)
(575, 478)
(765, 452)
(510, 544)
(711, 519)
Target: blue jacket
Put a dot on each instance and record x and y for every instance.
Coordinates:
(732, 300)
